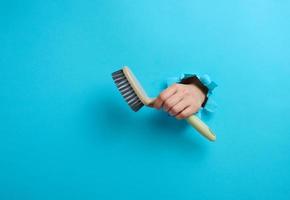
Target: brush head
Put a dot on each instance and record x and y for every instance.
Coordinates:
(127, 90)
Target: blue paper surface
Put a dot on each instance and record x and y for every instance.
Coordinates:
(66, 132)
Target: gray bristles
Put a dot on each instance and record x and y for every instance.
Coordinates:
(126, 90)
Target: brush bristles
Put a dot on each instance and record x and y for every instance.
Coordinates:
(126, 90)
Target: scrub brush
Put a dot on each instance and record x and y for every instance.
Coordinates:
(136, 97)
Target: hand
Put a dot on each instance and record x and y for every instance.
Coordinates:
(180, 100)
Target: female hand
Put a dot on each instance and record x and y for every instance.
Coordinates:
(180, 100)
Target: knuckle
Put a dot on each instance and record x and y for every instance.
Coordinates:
(186, 92)
(175, 110)
(167, 104)
(162, 97)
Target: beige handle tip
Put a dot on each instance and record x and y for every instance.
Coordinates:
(201, 127)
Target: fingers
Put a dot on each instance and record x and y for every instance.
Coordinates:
(184, 109)
(172, 101)
(179, 100)
(158, 103)
(179, 107)
(187, 112)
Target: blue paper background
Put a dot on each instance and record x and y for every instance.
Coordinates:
(66, 133)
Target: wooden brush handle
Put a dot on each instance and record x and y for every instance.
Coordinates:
(201, 127)
(194, 121)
